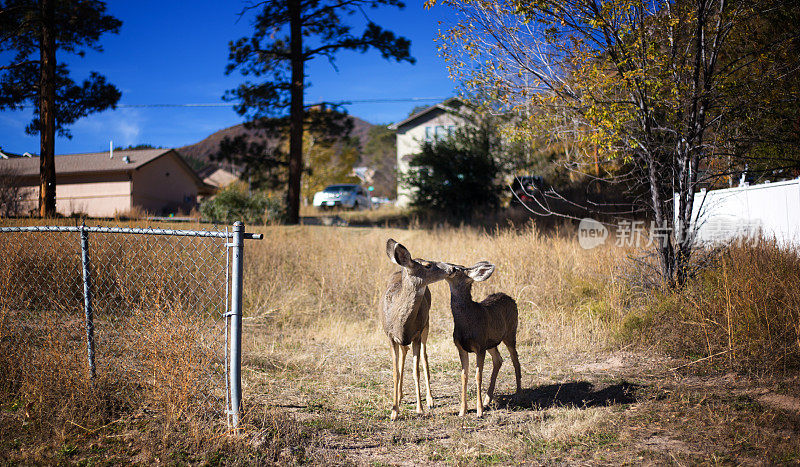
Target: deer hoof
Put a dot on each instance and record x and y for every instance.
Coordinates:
(394, 415)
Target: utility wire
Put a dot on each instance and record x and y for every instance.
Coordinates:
(343, 102)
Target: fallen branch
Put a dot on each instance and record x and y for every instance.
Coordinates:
(700, 360)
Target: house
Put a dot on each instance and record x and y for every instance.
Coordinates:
(110, 183)
(216, 178)
(365, 174)
(436, 121)
(9, 155)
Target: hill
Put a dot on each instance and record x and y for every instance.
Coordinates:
(375, 153)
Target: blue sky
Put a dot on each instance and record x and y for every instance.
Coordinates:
(175, 52)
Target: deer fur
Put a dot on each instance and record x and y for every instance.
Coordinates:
(481, 327)
(405, 310)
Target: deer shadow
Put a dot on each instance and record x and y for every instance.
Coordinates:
(578, 394)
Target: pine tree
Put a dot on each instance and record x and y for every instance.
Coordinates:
(33, 31)
(289, 33)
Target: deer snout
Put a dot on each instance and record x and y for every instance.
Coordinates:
(448, 268)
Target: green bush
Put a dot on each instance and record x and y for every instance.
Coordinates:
(455, 176)
(743, 306)
(237, 203)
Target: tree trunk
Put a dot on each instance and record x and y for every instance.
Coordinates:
(664, 248)
(295, 115)
(47, 114)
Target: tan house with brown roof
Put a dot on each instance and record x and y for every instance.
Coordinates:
(217, 177)
(158, 181)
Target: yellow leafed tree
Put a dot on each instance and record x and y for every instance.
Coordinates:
(327, 163)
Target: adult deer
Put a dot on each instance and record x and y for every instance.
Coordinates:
(480, 327)
(405, 310)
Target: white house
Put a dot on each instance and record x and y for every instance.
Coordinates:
(436, 121)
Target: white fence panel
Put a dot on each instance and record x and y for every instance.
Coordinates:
(770, 209)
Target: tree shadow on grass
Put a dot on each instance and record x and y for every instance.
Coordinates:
(579, 394)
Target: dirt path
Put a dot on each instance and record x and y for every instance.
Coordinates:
(609, 408)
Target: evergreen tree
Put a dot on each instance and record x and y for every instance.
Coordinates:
(31, 31)
(289, 33)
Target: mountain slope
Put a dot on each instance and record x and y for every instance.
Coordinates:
(203, 150)
(375, 153)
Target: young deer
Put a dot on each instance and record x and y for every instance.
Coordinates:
(404, 312)
(480, 327)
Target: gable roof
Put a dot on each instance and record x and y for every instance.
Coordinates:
(96, 162)
(9, 155)
(448, 105)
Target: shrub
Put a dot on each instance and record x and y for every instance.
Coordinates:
(460, 174)
(743, 306)
(237, 203)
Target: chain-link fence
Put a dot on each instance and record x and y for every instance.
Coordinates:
(149, 313)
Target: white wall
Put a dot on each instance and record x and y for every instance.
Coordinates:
(770, 209)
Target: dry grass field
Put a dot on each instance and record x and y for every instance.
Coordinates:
(613, 372)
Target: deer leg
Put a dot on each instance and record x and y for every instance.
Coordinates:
(480, 355)
(403, 350)
(512, 349)
(425, 368)
(497, 361)
(464, 377)
(395, 380)
(415, 348)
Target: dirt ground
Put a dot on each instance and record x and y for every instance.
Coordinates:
(596, 408)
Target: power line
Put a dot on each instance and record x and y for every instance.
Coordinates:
(127, 106)
(342, 102)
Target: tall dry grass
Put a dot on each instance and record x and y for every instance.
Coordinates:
(158, 344)
(325, 283)
(743, 307)
(330, 280)
(744, 301)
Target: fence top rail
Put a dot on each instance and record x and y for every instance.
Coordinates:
(126, 230)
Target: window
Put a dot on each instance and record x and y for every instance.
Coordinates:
(438, 132)
(339, 189)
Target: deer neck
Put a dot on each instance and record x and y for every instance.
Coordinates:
(411, 292)
(460, 297)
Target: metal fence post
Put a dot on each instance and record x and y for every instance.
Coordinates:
(236, 324)
(87, 299)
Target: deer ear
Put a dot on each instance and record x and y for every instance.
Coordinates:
(481, 271)
(398, 253)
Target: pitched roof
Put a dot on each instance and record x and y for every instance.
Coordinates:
(448, 105)
(9, 155)
(87, 163)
